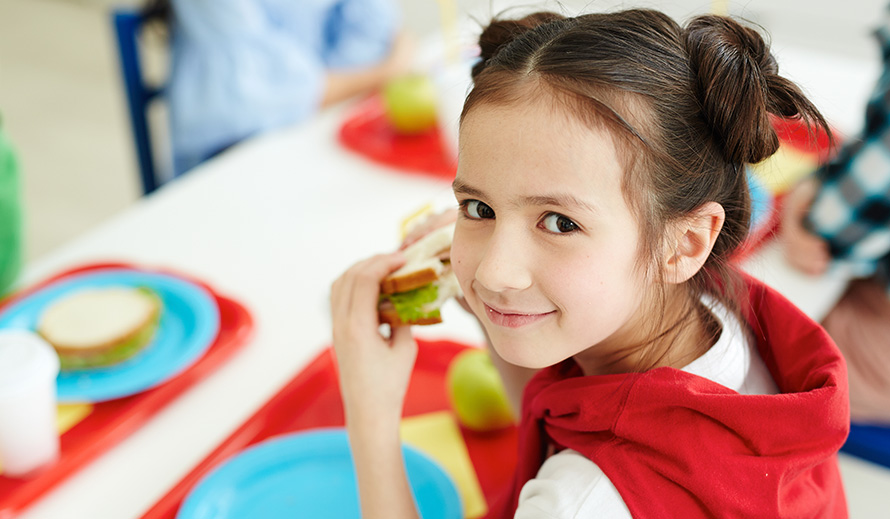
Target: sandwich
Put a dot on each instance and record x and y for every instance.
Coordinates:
(99, 327)
(414, 293)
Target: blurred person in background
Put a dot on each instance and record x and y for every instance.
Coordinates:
(10, 214)
(841, 213)
(240, 67)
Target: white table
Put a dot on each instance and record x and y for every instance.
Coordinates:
(270, 223)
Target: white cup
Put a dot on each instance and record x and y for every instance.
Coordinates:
(29, 437)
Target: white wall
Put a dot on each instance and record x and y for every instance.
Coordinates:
(825, 25)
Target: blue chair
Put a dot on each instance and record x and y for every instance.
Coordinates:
(869, 442)
(127, 26)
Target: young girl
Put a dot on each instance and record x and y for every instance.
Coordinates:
(602, 192)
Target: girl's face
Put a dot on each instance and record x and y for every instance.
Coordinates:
(546, 246)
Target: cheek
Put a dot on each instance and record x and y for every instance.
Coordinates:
(463, 261)
(603, 284)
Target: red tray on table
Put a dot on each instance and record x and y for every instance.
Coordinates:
(312, 400)
(367, 132)
(111, 421)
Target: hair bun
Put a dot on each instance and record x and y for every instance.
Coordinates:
(500, 32)
(738, 85)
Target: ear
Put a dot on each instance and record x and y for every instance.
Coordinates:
(693, 239)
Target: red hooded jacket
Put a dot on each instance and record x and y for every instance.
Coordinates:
(678, 445)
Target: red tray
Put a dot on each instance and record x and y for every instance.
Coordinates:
(110, 422)
(312, 399)
(795, 133)
(367, 132)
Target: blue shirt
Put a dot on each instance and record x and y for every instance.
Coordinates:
(852, 208)
(240, 67)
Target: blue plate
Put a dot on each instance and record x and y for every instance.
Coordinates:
(188, 326)
(308, 474)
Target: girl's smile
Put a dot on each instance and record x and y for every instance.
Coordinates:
(514, 318)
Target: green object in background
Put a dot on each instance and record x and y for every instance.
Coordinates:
(10, 215)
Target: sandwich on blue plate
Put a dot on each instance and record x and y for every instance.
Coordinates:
(97, 327)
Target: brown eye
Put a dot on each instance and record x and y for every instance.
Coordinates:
(557, 223)
(478, 210)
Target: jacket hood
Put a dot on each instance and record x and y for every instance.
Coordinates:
(678, 445)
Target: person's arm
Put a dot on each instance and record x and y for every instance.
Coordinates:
(850, 205)
(374, 373)
(235, 73)
(345, 83)
(850, 208)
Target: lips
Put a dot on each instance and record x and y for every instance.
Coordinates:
(513, 319)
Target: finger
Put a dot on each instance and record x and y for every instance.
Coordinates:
(429, 225)
(365, 287)
(403, 343)
(341, 296)
(401, 336)
(343, 305)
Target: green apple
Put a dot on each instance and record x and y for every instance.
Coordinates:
(477, 393)
(410, 103)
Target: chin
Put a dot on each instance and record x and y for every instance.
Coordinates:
(520, 353)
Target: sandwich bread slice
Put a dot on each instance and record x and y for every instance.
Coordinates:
(98, 327)
(414, 293)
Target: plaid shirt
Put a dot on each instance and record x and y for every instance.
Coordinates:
(852, 209)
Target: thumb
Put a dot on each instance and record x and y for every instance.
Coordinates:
(403, 341)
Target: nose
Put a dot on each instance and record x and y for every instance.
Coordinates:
(504, 265)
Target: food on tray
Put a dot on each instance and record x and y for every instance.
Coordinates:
(410, 103)
(100, 326)
(477, 393)
(414, 293)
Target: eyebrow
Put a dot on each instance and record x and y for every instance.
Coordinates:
(460, 186)
(557, 199)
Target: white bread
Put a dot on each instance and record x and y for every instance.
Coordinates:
(93, 320)
(427, 263)
(424, 262)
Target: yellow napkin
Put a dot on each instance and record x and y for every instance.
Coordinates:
(68, 416)
(781, 171)
(71, 414)
(438, 436)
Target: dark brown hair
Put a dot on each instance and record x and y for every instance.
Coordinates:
(689, 108)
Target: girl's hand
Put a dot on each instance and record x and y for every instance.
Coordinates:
(374, 375)
(374, 369)
(428, 225)
(803, 249)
